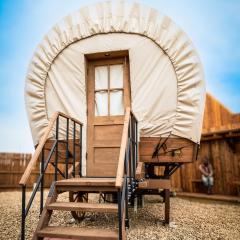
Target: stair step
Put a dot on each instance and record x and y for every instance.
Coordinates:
(84, 207)
(78, 233)
(87, 182)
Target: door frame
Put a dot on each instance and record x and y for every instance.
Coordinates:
(98, 59)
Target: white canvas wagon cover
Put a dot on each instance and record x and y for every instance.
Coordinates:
(166, 75)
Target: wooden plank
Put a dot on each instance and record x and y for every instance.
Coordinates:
(107, 144)
(164, 159)
(140, 171)
(106, 55)
(215, 114)
(84, 207)
(167, 205)
(89, 189)
(177, 150)
(111, 120)
(108, 132)
(78, 233)
(13, 166)
(106, 155)
(217, 197)
(155, 184)
(86, 182)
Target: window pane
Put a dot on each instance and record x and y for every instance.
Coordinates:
(101, 77)
(116, 76)
(101, 104)
(116, 103)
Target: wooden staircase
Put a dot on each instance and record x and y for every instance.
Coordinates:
(133, 178)
(98, 185)
(50, 150)
(76, 233)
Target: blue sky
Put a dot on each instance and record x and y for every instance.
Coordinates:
(213, 26)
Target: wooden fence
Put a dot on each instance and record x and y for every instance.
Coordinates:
(225, 161)
(13, 165)
(226, 165)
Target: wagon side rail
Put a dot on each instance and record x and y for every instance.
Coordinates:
(73, 127)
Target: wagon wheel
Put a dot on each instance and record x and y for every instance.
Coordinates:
(78, 197)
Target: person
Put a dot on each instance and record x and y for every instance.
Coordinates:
(207, 174)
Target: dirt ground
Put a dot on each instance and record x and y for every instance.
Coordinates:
(190, 219)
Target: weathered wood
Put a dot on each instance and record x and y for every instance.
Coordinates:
(195, 184)
(167, 205)
(177, 150)
(86, 182)
(78, 233)
(216, 114)
(84, 207)
(106, 55)
(140, 171)
(237, 184)
(225, 164)
(89, 189)
(87, 185)
(13, 166)
(155, 184)
(218, 197)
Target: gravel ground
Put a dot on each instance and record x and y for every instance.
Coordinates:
(191, 219)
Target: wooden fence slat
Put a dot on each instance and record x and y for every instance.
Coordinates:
(12, 167)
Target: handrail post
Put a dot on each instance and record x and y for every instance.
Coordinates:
(136, 160)
(42, 182)
(126, 207)
(134, 145)
(119, 214)
(23, 212)
(80, 151)
(56, 150)
(74, 148)
(67, 152)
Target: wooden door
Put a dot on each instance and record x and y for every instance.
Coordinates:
(108, 95)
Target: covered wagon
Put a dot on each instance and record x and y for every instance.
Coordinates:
(113, 91)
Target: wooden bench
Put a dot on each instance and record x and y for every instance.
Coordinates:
(196, 184)
(237, 183)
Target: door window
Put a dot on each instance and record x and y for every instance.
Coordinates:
(109, 93)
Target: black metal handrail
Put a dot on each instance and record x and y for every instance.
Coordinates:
(45, 162)
(129, 182)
